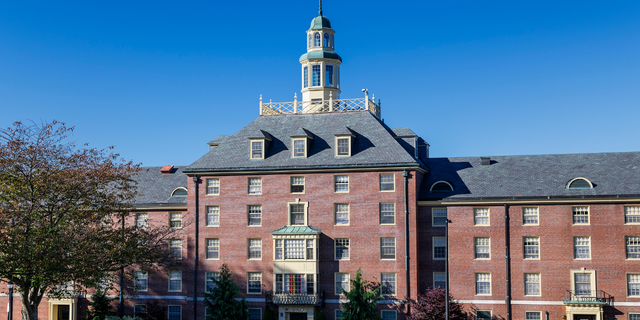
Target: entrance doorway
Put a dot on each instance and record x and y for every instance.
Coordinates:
(297, 316)
(63, 312)
(583, 317)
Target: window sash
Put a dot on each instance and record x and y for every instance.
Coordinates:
(439, 217)
(483, 315)
(389, 315)
(342, 283)
(341, 213)
(388, 282)
(254, 282)
(255, 215)
(530, 216)
(297, 184)
(175, 313)
(581, 247)
(255, 249)
(388, 248)
(175, 220)
(633, 247)
(256, 149)
(255, 314)
(439, 280)
(297, 214)
(213, 248)
(294, 249)
(482, 248)
(328, 77)
(580, 215)
(141, 281)
(343, 146)
(175, 246)
(142, 220)
(632, 214)
(213, 216)
(299, 148)
(483, 283)
(439, 248)
(175, 280)
(213, 186)
(387, 213)
(532, 315)
(342, 183)
(481, 216)
(255, 185)
(315, 75)
(532, 284)
(387, 182)
(531, 247)
(209, 282)
(342, 249)
(583, 284)
(633, 284)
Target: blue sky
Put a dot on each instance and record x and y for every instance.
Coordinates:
(159, 79)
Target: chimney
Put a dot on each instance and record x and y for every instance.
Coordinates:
(485, 161)
(166, 170)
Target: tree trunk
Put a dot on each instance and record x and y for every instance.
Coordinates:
(30, 302)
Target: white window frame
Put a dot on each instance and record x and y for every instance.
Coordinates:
(169, 312)
(632, 242)
(337, 139)
(213, 184)
(213, 215)
(340, 206)
(256, 183)
(632, 212)
(253, 209)
(382, 284)
(475, 281)
(212, 245)
(576, 212)
(138, 277)
(526, 313)
(253, 246)
(335, 249)
(476, 246)
(336, 183)
(263, 143)
(292, 184)
(528, 212)
(433, 246)
(592, 279)
(575, 245)
(384, 245)
(293, 147)
(526, 284)
(175, 246)
(380, 209)
(629, 277)
(477, 216)
(635, 314)
(444, 275)
(142, 220)
(207, 282)
(305, 213)
(175, 275)
(173, 217)
(393, 182)
(335, 282)
(259, 275)
(528, 239)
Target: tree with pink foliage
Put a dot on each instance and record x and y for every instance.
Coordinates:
(430, 305)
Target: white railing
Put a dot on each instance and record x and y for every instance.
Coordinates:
(324, 106)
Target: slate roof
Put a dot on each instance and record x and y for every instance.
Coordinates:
(375, 145)
(613, 174)
(155, 188)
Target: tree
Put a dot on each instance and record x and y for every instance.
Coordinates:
(362, 300)
(100, 306)
(221, 302)
(61, 209)
(430, 305)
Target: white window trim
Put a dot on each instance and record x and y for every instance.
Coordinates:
(206, 189)
(206, 288)
(592, 274)
(630, 313)
(306, 212)
(488, 217)
(395, 251)
(624, 210)
(531, 224)
(249, 218)
(524, 253)
(475, 285)
(380, 182)
(441, 181)
(304, 185)
(335, 250)
(433, 217)
(335, 215)
(349, 142)
(249, 249)
(146, 220)
(433, 248)
(260, 283)
(580, 178)
(181, 247)
(532, 311)
(626, 247)
(249, 186)
(264, 144)
(395, 284)
(380, 214)
(574, 248)
(256, 309)
(136, 278)
(306, 147)
(524, 279)
(179, 188)
(475, 246)
(626, 280)
(588, 216)
(206, 248)
(181, 220)
(335, 282)
(348, 183)
(206, 217)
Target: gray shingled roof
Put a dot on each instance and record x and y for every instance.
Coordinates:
(375, 145)
(613, 174)
(155, 188)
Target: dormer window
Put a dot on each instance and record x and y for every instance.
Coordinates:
(258, 144)
(179, 192)
(343, 146)
(300, 148)
(579, 183)
(257, 149)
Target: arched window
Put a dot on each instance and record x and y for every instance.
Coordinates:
(328, 76)
(441, 186)
(579, 183)
(310, 41)
(317, 36)
(326, 40)
(179, 192)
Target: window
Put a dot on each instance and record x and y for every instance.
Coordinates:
(481, 216)
(255, 215)
(141, 281)
(388, 248)
(328, 73)
(255, 314)
(439, 248)
(139, 310)
(295, 283)
(583, 284)
(297, 184)
(531, 247)
(297, 212)
(294, 249)
(255, 249)
(581, 247)
(317, 39)
(179, 192)
(388, 315)
(175, 312)
(531, 284)
(580, 215)
(175, 220)
(213, 216)
(634, 316)
(439, 216)
(142, 220)
(175, 246)
(310, 42)
(343, 147)
(439, 280)
(530, 216)
(254, 280)
(305, 80)
(299, 148)
(483, 283)
(315, 75)
(441, 186)
(342, 249)
(633, 285)
(310, 249)
(339, 314)
(632, 214)
(255, 185)
(326, 39)
(387, 182)
(257, 148)
(387, 213)
(341, 183)
(213, 186)
(483, 315)
(341, 213)
(633, 247)
(532, 315)
(209, 282)
(579, 183)
(388, 282)
(482, 248)
(342, 282)
(175, 280)
(213, 248)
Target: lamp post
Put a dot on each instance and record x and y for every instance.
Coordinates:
(10, 306)
(446, 270)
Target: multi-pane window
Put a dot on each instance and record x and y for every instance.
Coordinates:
(387, 182)
(297, 184)
(341, 183)
(530, 216)
(175, 313)
(328, 76)
(532, 315)
(305, 80)
(339, 314)
(256, 149)
(389, 315)
(142, 220)
(439, 217)
(483, 283)
(581, 247)
(315, 75)
(255, 185)
(175, 246)
(213, 186)
(483, 315)
(299, 148)
(580, 215)
(532, 284)
(632, 214)
(175, 220)
(175, 280)
(141, 281)
(482, 248)
(388, 248)
(278, 249)
(213, 248)
(342, 249)
(342, 146)
(388, 282)
(310, 249)
(387, 213)
(481, 216)
(255, 215)
(213, 216)
(633, 285)
(531, 247)
(439, 279)
(297, 214)
(139, 310)
(294, 249)
(633, 247)
(210, 278)
(582, 283)
(439, 248)
(255, 314)
(254, 282)
(255, 249)
(295, 283)
(634, 316)
(341, 213)
(342, 283)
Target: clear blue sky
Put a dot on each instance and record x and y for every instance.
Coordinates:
(159, 79)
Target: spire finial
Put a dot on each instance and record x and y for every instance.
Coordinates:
(320, 12)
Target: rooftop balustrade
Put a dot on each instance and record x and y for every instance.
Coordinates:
(323, 106)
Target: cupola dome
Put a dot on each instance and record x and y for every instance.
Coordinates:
(320, 22)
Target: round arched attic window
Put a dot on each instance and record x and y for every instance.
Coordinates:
(179, 192)
(579, 183)
(441, 186)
